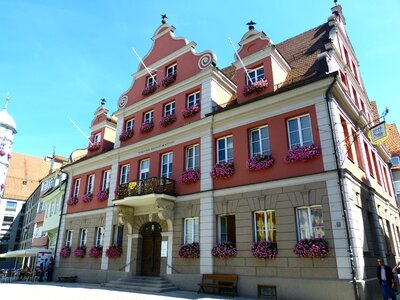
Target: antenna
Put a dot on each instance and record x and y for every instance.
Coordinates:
(141, 61)
(237, 54)
(80, 130)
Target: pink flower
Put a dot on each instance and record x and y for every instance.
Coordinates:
(65, 251)
(80, 251)
(72, 200)
(257, 87)
(169, 79)
(264, 249)
(299, 153)
(2, 152)
(149, 89)
(312, 248)
(94, 146)
(190, 250)
(146, 127)
(96, 251)
(167, 120)
(190, 111)
(114, 251)
(190, 176)
(102, 195)
(126, 134)
(259, 162)
(222, 170)
(224, 250)
(87, 197)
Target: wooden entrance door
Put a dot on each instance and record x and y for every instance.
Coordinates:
(151, 249)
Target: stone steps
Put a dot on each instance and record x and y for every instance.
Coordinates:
(142, 284)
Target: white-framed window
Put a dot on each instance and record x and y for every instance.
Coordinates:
(77, 185)
(255, 75)
(191, 230)
(171, 70)
(169, 109)
(68, 238)
(124, 175)
(83, 237)
(395, 161)
(90, 184)
(166, 165)
(193, 99)
(226, 229)
(310, 222)
(97, 138)
(300, 132)
(105, 182)
(264, 226)
(148, 117)
(259, 141)
(144, 170)
(151, 80)
(225, 149)
(99, 236)
(118, 235)
(11, 206)
(130, 124)
(192, 157)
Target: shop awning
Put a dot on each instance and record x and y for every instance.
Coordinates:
(24, 252)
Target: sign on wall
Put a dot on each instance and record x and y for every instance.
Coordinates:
(378, 132)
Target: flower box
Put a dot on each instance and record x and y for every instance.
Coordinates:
(94, 146)
(167, 120)
(126, 134)
(224, 250)
(149, 89)
(102, 195)
(114, 251)
(302, 153)
(96, 251)
(2, 152)
(146, 127)
(80, 251)
(259, 162)
(222, 170)
(190, 250)
(72, 200)
(87, 197)
(190, 111)
(312, 248)
(190, 176)
(65, 251)
(257, 87)
(264, 249)
(9, 156)
(169, 79)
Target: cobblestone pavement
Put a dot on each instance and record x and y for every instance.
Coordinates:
(88, 291)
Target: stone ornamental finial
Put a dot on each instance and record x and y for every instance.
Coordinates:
(7, 99)
(251, 24)
(335, 1)
(164, 19)
(103, 101)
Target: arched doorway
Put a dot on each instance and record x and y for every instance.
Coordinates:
(151, 249)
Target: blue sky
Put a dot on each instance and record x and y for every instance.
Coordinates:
(59, 58)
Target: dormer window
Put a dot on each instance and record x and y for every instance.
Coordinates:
(256, 75)
(97, 138)
(171, 70)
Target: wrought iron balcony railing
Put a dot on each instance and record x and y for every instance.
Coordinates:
(153, 185)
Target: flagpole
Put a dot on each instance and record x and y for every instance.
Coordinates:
(141, 61)
(237, 54)
(80, 130)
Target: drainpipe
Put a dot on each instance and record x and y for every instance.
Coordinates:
(62, 208)
(340, 178)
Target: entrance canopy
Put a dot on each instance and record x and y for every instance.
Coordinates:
(24, 252)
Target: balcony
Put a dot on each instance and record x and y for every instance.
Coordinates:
(40, 241)
(145, 192)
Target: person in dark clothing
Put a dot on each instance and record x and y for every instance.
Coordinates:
(41, 269)
(386, 280)
(50, 268)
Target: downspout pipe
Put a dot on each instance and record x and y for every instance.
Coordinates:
(340, 180)
(62, 208)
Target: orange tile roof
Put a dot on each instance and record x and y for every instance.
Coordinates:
(24, 174)
(392, 143)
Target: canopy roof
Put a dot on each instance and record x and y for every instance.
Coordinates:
(24, 252)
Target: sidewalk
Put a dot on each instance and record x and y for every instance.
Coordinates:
(88, 291)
